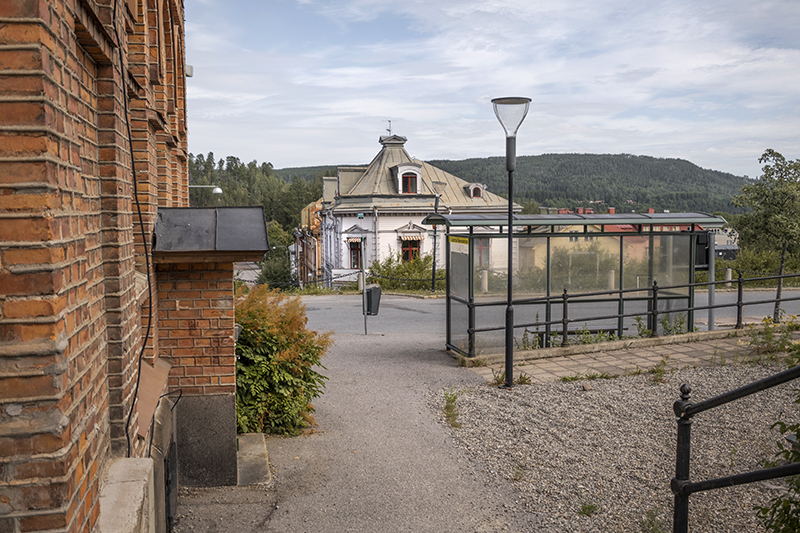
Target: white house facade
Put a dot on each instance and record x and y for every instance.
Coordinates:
(370, 213)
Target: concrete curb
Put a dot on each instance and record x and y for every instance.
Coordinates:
(252, 460)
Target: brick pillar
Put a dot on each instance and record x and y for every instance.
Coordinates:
(196, 317)
(54, 413)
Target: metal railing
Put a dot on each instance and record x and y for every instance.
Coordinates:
(654, 294)
(681, 485)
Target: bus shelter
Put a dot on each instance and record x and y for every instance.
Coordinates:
(604, 265)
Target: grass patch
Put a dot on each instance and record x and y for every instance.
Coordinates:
(651, 523)
(498, 377)
(588, 509)
(519, 473)
(451, 409)
(658, 372)
(523, 379)
(589, 376)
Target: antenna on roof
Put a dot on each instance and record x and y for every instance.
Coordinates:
(389, 129)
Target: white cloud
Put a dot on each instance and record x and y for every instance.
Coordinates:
(312, 82)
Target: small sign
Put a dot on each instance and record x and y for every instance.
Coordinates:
(459, 240)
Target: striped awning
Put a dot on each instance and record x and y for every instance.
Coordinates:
(411, 237)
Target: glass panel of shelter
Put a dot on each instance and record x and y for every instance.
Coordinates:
(579, 262)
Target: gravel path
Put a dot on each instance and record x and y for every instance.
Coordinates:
(611, 449)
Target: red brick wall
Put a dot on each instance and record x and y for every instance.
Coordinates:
(196, 321)
(71, 299)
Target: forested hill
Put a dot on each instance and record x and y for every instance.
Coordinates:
(307, 173)
(624, 181)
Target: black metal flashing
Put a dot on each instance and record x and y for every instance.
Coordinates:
(209, 230)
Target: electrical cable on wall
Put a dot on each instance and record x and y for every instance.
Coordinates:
(141, 226)
(179, 392)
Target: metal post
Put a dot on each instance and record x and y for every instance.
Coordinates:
(363, 285)
(435, 231)
(548, 311)
(680, 518)
(739, 302)
(712, 277)
(692, 272)
(654, 331)
(564, 321)
(448, 301)
(621, 304)
(471, 292)
(510, 149)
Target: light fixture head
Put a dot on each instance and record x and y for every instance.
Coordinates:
(511, 112)
(216, 190)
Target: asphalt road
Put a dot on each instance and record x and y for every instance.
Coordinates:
(380, 459)
(397, 315)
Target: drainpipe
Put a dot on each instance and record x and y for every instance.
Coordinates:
(375, 226)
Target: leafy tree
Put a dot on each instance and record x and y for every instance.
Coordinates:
(276, 270)
(531, 207)
(252, 184)
(774, 222)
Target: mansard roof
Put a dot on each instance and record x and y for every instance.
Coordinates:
(376, 184)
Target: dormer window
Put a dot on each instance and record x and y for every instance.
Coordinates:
(475, 190)
(409, 183)
(407, 178)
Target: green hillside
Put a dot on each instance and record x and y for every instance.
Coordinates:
(306, 173)
(624, 181)
(627, 182)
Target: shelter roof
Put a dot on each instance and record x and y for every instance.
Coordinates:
(634, 219)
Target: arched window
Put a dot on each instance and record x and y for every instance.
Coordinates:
(476, 192)
(409, 183)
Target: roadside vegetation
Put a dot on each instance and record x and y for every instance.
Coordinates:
(277, 364)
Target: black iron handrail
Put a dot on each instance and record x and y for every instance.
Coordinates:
(681, 485)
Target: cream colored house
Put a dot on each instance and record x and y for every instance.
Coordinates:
(369, 213)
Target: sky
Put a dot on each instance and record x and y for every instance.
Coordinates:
(315, 82)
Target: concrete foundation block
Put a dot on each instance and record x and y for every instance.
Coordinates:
(206, 433)
(127, 498)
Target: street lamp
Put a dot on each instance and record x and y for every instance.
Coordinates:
(216, 190)
(510, 112)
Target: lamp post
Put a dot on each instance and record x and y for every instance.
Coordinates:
(510, 112)
(433, 277)
(215, 189)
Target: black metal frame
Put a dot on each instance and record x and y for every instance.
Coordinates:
(681, 485)
(655, 294)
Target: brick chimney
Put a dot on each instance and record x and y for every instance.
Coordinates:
(651, 210)
(612, 210)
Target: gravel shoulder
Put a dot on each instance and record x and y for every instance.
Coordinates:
(611, 449)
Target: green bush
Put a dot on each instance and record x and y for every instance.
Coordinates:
(276, 359)
(395, 274)
(782, 514)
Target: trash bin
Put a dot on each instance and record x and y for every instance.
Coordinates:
(373, 298)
